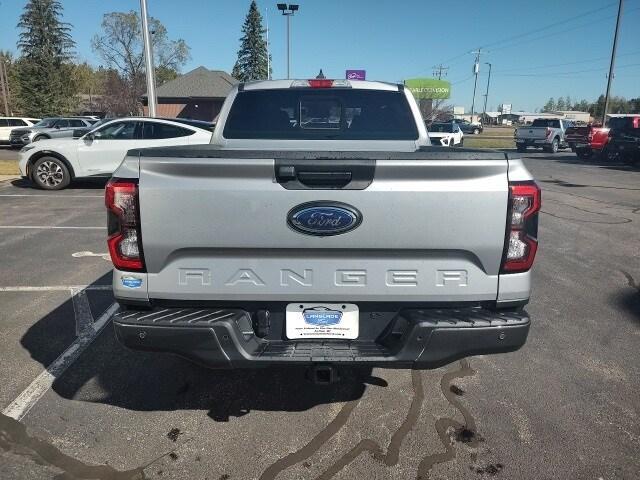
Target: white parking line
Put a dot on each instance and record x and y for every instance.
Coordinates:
(50, 227)
(105, 256)
(55, 288)
(43, 382)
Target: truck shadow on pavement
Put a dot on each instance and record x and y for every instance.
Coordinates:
(108, 373)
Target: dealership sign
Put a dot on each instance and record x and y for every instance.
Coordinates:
(356, 74)
(428, 88)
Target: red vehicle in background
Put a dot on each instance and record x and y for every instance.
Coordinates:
(587, 141)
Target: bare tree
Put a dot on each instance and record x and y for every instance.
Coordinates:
(120, 47)
(435, 110)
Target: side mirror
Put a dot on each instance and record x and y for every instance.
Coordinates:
(57, 127)
(89, 137)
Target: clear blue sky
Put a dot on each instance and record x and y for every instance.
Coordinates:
(395, 40)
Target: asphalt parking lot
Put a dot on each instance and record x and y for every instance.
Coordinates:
(78, 405)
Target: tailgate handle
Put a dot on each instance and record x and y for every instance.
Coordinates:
(335, 179)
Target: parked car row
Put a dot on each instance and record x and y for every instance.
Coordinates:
(52, 164)
(9, 124)
(47, 128)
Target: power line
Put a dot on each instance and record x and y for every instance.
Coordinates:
(550, 65)
(561, 32)
(440, 69)
(551, 25)
(504, 40)
(562, 73)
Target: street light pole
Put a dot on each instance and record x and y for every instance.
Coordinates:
(486, 95)
(148, 60)
(288, 11)
(288, 46)
(611, 65)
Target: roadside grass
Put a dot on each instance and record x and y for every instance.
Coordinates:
(498, 131)
(9, 167)
(477, 141)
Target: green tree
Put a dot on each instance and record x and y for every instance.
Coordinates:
(582, 106)
(44, 68)
(561, 104)
(549, 106)
(253, 59)
(568, 103)
(120, 47)
(596, 108)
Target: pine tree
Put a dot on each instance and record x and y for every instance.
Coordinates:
(252, 63)
(44, 68)
(549, 106)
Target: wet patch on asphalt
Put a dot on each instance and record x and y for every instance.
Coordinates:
(465, 433)
(15, 438)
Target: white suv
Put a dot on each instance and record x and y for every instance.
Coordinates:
(7, 124)
(53, 164)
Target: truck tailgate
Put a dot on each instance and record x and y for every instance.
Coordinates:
(533, 133)
(214, 227)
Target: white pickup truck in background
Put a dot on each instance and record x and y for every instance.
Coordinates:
(545, 133)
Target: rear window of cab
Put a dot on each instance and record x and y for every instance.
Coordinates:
(312, 114)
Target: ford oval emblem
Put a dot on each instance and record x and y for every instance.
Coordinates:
(324, 218)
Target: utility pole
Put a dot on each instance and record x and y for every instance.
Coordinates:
(5, 90)
(437, 71)
(148, 60)
(612, 64)
(476, 70)
(486, 95)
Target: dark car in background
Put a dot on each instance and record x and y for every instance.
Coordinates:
(624, 139)
(467, 127)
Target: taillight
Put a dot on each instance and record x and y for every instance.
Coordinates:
(548, 131)
(124, 241)
(521, 242)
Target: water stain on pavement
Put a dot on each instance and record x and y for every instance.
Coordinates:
(15, 439)
(314, 445)
(392, 455)
(465, 433)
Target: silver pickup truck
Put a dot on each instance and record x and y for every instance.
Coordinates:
(545, 133)
(320, 228)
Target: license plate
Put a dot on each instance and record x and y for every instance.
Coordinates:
(582, 145)
(322, 320)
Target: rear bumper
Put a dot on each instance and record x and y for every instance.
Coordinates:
(530, 142)
(417, 339)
